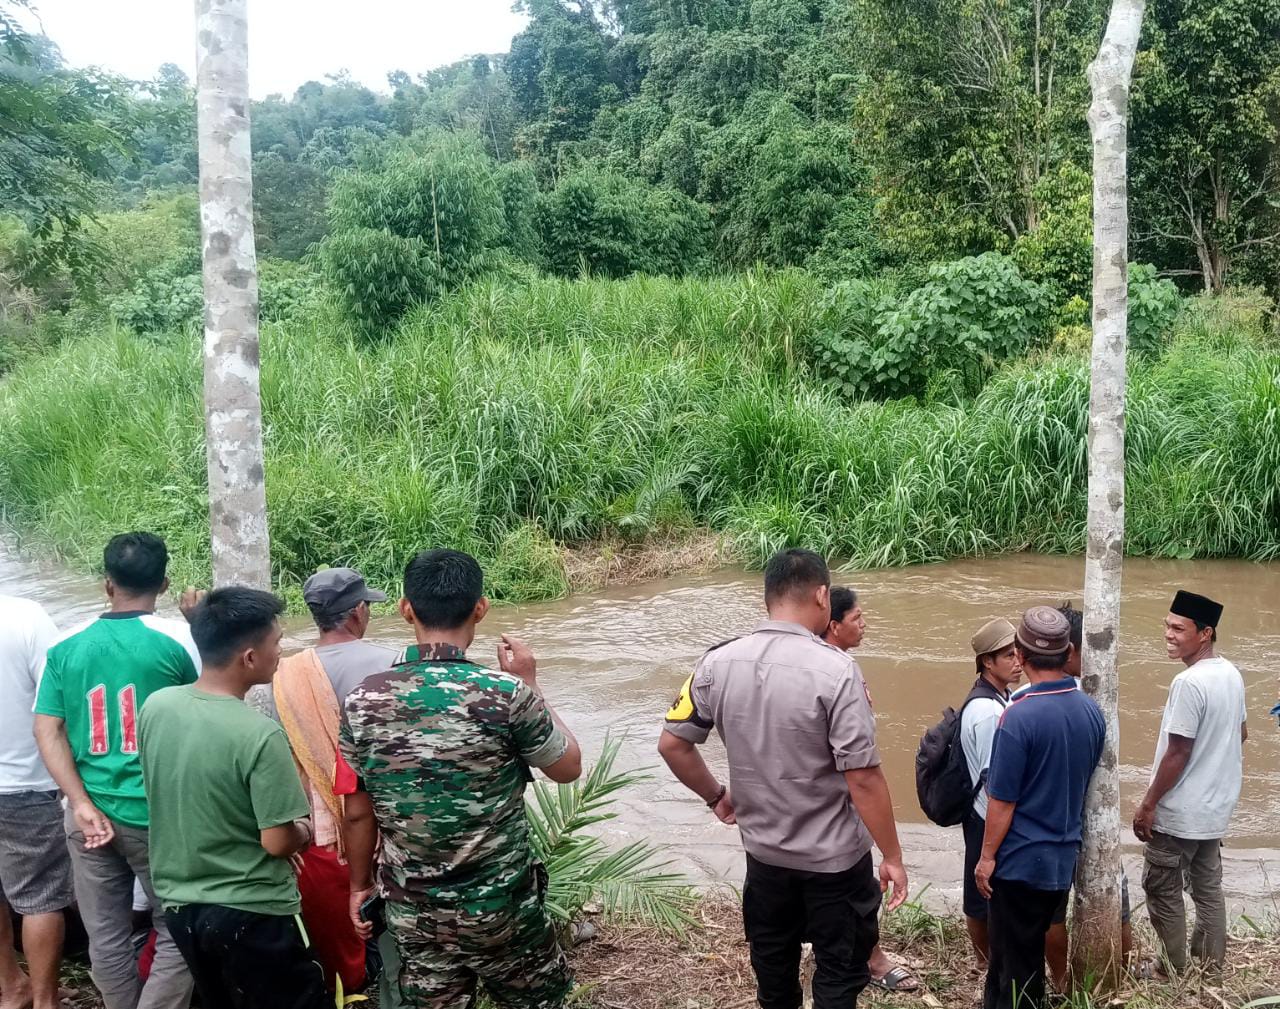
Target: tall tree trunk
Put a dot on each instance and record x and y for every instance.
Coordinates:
(1096, 935)
(233, 409)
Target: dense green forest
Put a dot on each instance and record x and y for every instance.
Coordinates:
(798, 271)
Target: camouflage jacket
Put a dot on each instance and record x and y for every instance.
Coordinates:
(444, 747)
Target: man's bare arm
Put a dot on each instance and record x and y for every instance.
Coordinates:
(360, 840)
(55, 751)
(870, 794)
(286, 839)
(1169, 770)
(691, 770)
(999, 819)
(517, 658)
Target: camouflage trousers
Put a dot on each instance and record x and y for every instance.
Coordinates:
(504, 941)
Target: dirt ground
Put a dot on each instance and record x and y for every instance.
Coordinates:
(634, 967)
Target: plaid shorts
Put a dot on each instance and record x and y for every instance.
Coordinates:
(35, 867)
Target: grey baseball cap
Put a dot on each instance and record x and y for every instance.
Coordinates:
(336, 590)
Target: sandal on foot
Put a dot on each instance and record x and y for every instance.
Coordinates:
(1150, 970)
(896, 979)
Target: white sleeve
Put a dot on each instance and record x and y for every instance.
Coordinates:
(1186, 708)
(44, 632)
(179, 631)
(189, 643)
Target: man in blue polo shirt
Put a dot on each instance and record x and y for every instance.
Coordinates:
(1047, 745)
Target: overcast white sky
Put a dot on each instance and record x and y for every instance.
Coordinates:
(290, 41)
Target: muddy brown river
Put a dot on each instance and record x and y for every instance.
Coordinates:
(611, 662)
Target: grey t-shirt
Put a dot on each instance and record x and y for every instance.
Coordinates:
(1206, 703)
(794, 714)
(348, 663)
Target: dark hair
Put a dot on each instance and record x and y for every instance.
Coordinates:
(1076, 619)
(443, 587)
(231, 619)
(1201, 627)
(843, 601)
(1044, 663)
(326, 621)
(136, 561)
(792, 571)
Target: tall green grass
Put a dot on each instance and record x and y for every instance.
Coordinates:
(506, 420)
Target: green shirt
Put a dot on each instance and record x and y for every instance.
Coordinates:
(97, 680)
(444, 747)
(217, 773)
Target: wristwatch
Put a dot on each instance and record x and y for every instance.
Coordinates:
(713, 803)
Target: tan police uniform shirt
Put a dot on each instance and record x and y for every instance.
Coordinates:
(794, 714)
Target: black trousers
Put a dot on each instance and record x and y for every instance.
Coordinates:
(836, 911)
(1017, 919)
(241, 960)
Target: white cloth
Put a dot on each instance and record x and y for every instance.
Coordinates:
(1206, 703)
(977, 733)
(26, 632)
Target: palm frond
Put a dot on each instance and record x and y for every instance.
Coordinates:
(630, 883)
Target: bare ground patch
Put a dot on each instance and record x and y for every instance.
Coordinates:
(602, 563)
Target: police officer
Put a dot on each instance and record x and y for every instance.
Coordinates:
(805, 788)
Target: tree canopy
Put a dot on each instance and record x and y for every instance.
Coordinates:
(694, 136)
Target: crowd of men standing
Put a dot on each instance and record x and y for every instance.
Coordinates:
(372, 823)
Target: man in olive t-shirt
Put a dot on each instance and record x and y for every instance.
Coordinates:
(227, 813)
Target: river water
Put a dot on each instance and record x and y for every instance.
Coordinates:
(612, 661)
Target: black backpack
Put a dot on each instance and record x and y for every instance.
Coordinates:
(942, 774)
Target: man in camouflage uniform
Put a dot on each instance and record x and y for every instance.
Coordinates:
(436, 753)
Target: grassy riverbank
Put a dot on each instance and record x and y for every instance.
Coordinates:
(515, 421)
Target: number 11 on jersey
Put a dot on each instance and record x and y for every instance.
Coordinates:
(99, 735)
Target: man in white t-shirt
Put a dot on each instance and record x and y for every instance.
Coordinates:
(998, 669)
(35, 868)
(1194, 785)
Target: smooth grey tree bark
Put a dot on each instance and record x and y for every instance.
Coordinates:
(233, 409)
(1096, 919)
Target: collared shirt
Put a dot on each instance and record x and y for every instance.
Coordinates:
(443, 747)
(794, 714)
(1046, 748)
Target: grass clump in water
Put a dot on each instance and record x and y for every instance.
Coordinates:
(511, 421)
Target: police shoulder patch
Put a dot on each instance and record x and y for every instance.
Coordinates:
(682, 707)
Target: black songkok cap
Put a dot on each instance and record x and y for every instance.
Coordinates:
(1201, 609)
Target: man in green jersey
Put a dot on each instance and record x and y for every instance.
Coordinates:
(438, 749)
(96, 682)
(227, 813)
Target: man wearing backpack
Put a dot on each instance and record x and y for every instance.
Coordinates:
(998, 670)
(951, 763)
(1046, 747)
